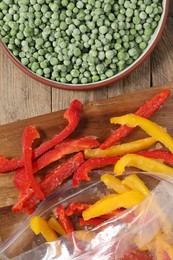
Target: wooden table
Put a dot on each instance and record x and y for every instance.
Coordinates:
(22, 97)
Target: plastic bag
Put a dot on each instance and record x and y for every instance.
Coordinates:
(140, 230)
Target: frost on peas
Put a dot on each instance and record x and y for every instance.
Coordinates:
(80, 41)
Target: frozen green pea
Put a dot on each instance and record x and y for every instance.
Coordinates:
(75, 73)
(109, 73)
(142, 45)
(103, 29)
(132, 52)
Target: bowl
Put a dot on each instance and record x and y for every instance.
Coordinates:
(105, 82)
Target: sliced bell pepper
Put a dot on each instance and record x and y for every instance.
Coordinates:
(28, 200)
(136, 254)
(29, 134)
(113, 201)
(143, 163)
(63, 219)
(56, 226)
(91, 222)
(7, 165)
(114, 183)
(120, 149)
(90, 164)
(166, 156)
(84, 235)
(112, 214)
(40, 225)
(62, 149)
(72, 114)
(146, 110)
(135, 183)
(148, 126)
(164, 247)
(76, 208)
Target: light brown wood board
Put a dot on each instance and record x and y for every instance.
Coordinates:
(94, 121)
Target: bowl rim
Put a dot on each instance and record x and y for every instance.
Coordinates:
(94, 85)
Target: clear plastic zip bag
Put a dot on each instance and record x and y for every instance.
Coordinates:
(144, 231)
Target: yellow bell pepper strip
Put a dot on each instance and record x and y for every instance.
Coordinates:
(164, 247)
(114, 183)
(113, 201)
(56, 226)
(143, 163)
(148, 126)
(146, 110)
(40, 225)
(135, 183)
(84, 235)
(120, 149)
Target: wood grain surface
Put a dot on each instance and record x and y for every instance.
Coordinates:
(94, 121)
(22, 98)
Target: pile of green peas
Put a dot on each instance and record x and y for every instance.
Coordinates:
(78, 42)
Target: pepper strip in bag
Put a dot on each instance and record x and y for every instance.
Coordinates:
(62, 149)
(113, 201)
(40, 225)
(114, 183)
(63, 219)
(76, 208)
(72, 114)
(28, 200)
(30, 133)
(91, 222)
(146, 110)
(56, 226)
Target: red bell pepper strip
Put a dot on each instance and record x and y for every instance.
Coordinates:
(136, 254)
(146, 110)
(91, 222)
(72, 114)
(112, 214)
(68, 227)
(29, 134)
(7, 165)
(62, 149)
(76, 208)
(166, 156)
(64, 220)
(28, 200)
(90, 164)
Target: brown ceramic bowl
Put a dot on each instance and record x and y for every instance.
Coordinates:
(146, 53)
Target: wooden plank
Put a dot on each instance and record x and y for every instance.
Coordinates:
(20, 95)
(62, 98)
(137, 80)
(162, 57)
(94, 121)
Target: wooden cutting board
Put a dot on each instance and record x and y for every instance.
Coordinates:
(94, 121)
